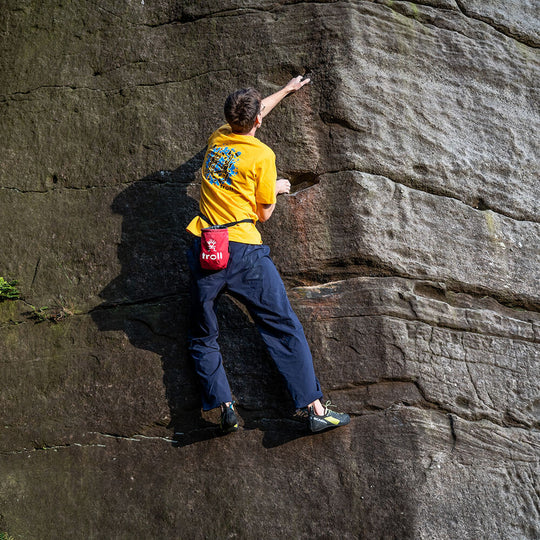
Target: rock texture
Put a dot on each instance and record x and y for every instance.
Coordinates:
(411, 248)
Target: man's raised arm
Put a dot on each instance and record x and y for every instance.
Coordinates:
(268, 103)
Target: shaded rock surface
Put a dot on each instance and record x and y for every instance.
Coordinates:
(410, 246)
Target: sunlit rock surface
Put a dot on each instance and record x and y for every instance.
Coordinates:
(410, 246)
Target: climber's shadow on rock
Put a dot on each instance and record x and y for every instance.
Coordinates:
(149, 301)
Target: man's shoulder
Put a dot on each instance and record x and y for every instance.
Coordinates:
(224, 130)
(264, 148)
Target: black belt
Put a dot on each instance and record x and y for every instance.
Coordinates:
(224, 225)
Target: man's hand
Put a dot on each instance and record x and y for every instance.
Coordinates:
(282, 186)
(295, 84)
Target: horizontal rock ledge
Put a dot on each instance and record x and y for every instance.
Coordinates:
(408, 233)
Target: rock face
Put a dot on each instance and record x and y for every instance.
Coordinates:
(411, 248)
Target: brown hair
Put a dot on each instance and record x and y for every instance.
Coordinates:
(241, 109)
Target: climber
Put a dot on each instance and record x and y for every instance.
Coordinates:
(239, 186)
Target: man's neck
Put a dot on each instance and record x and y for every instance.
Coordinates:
(250, 133)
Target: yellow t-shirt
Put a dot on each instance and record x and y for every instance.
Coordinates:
(238, 172)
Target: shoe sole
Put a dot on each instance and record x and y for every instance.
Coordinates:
(327, 425)
(229, 429)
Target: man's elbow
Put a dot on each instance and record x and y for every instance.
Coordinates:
(264, 211)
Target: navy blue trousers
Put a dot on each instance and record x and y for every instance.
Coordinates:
(252, 278)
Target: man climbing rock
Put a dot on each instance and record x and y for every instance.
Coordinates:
(239, 186)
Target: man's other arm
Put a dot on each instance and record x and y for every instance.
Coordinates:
(264, 211)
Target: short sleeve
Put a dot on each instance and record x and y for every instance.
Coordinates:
(266, 178)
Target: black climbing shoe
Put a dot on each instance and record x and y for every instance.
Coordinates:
(229, 421)
(329, 419)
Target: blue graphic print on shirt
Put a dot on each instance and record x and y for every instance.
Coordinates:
(220, 165)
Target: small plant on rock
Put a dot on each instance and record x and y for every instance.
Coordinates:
(53, 314)
(8, 291)
(59, 312)
(38, 314)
